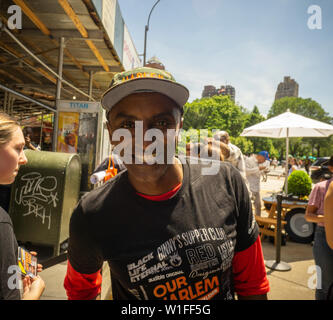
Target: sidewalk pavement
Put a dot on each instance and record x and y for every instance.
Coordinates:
(289, 285)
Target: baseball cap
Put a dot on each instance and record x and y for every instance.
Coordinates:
(143, 79)
(265, 154)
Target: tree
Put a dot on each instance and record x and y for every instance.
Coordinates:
(258, 144)
(217, 112)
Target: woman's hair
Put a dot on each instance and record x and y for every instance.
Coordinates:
(8, 125)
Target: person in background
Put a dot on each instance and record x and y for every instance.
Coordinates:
(315, 213)
(12, 157)
(211, 152)
(254, 165)
(328, 215)
(225, 149)
(236, 156)
(300, 163)
(274, 163)
(293, 166)
(307, 164)
(29, 137)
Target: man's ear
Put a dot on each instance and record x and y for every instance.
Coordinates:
(109, 129)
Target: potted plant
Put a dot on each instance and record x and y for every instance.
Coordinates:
(299, 184)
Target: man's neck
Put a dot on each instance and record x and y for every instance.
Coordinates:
(172, 177)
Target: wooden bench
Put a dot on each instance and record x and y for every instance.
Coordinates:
(265, 223)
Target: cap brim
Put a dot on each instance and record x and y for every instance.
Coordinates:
(173, 90)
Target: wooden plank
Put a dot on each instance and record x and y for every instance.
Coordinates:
(80, 27)
(10, 76)
(19, 55)
(269, 220)
(42, 27)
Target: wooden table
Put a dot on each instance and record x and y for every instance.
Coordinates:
(266, 224)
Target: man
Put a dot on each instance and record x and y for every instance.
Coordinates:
(254, 165)
(166, 230)
(235, 154)
(30, 137)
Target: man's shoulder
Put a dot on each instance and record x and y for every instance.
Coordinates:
(234, 147)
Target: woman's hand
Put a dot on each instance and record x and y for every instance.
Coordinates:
(39, 266)
(33, 288)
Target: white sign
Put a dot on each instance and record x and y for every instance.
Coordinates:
(78, 106)
(131, 58)
(108, 17)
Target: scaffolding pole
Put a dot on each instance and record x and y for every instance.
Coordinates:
(43, 64)
(58, 93)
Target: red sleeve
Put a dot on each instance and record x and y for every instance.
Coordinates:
(249, 271)
(81, 286)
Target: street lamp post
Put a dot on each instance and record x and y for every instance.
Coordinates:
(146, 30)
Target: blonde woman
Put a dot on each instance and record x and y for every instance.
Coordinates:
(11, 158)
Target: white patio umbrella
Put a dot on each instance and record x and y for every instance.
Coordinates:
(288, 125)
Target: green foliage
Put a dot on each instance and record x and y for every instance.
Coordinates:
(243, 143)
(219, 112)
(299, 183)
(305, 107)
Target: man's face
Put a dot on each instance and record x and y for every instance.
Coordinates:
(225, 138)
(260, 158)
(152, 111)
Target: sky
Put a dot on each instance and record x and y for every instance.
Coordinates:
(250, 45)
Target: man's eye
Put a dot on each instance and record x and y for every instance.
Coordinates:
(128, 125)
(161, 123)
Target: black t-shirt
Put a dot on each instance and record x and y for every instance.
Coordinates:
(8, 257)
(181, 248)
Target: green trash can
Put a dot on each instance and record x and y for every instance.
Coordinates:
(43, 196)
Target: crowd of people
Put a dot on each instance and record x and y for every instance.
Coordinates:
(166, 230)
